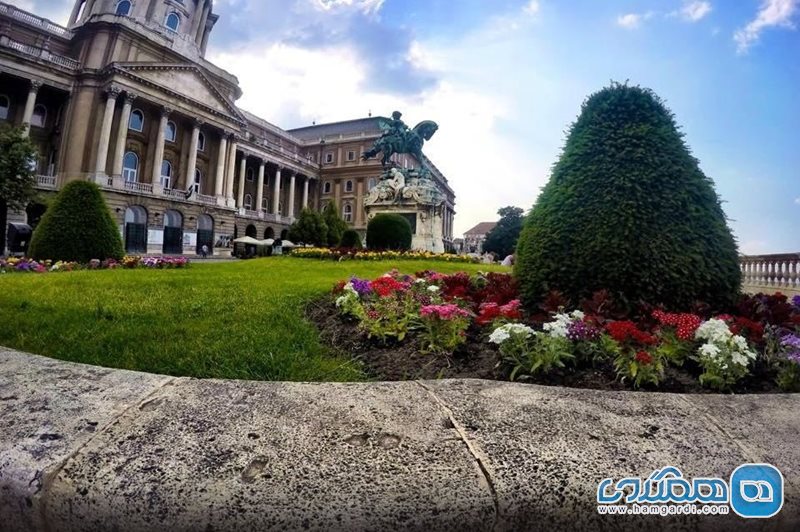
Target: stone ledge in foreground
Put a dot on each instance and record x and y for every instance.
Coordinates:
(87, 448)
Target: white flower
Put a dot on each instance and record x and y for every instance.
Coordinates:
(504, 332)
(420, 281)
(433, 288)
(558, 327)
(341, 300)
(739, 343)
(740, 359)
(709, 350)
(714, 330)
(577, 315)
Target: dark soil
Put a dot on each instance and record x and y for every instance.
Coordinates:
(479, 359)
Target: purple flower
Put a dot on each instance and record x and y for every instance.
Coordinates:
(361, 286)
(796, 302)
(579, 330)
(791, 340)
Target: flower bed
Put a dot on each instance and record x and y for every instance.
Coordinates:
(25, 265)
(358, 254)
(431, 325)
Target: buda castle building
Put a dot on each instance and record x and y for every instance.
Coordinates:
(124, 97)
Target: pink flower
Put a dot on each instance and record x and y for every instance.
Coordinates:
(444, 312)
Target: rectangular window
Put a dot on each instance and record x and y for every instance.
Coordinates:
(329, 157)
(351, 156)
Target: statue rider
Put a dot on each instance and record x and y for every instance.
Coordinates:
(397, 127)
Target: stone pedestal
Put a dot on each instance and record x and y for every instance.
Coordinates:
(413, 195)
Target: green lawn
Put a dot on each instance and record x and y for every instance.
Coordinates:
(238, 320)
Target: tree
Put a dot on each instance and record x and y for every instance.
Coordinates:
(389, 231)
(17, 180)
(502, 239)
(309, 228)
(351, 239)
(628, 209)
(77, 227)
(336, 226)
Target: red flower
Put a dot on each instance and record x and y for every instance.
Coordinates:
(488, 312)
(338, 288)
(385, 286)
(623, 331)
(643, 357)
(685, 324)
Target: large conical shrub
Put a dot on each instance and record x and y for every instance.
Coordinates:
(77, 227)
(628, 209)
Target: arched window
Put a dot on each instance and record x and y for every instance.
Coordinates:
(264, 203)
(130, 167)
(201, 142)
(348, 186)
(173, 21)
(5, 105)
(173, 218)
(123, 8)
(280, 207)
(166, 174)
(347, 212)
(136, 122)
(39, 116)
(250, 173)
(326, 188)
(198, 179)
(371, 183)
(170, 132)
(248, 202)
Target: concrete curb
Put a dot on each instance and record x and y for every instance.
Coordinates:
(88, 448)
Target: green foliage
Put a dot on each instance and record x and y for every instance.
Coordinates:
(640, 367)
(389, 231)
(334, 223)
(351, 239)
(789, 376)
(77, 227)
(17, 157)
(309, 228)
(628, 209)
(502, 239)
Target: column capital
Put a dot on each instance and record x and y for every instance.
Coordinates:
(130, 96)
(36, 85)
(198, 122)
(113, 91)
(166, 111)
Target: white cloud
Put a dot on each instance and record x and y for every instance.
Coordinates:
(365, 6)
(633, 20)
(772, 13)
(797, 200)
(695, 10)
(531, 8)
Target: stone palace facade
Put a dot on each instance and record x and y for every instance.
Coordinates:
(124, 97)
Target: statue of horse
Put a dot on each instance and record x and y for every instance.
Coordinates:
(408, 141)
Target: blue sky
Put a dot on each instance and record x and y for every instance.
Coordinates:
(505, 78)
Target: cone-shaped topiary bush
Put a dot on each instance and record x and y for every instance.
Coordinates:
(628, 209)
(389, 231)
(351, 239)
(77, 227)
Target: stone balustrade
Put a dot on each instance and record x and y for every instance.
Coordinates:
(46, 181)
(33, 20)
(771, 273)
(40, 53)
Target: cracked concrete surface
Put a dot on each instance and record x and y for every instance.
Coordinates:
(87, 448)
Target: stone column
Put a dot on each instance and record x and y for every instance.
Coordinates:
(231, 168)
(220, 176)
(30, 103)
(305, 192)
(159, 146)
(260, 185)
(242, 172)
(192, 165)
(122, 134)
(276, 193)
(290, 210)
(105, 131)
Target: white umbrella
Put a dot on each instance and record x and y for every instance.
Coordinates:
(266, 242)
(287, 243)
(247, 240)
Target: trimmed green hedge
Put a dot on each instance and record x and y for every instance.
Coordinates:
(389, 231)
(628, 209)
(351, 239)
(77, 227)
